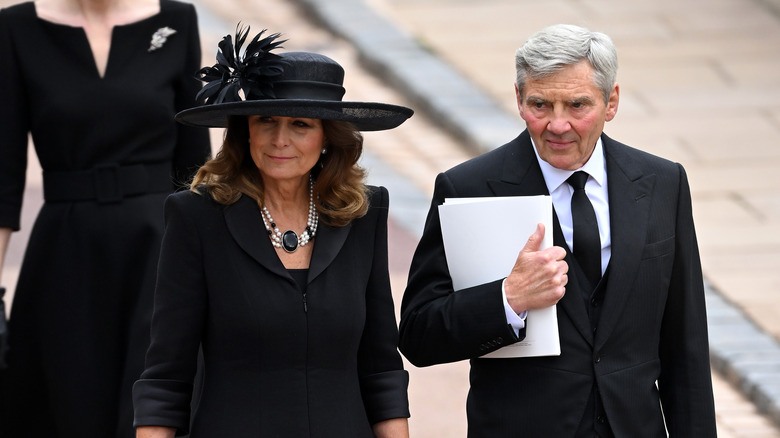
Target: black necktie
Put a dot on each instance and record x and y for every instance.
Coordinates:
(587, 244)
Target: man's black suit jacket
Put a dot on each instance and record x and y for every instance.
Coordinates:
(649, 354)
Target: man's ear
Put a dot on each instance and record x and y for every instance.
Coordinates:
(519, 102)
(612, 103)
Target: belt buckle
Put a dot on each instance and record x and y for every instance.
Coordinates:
(108, 187)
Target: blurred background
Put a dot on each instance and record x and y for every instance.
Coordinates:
(699, 84)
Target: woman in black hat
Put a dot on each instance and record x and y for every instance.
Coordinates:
(276, 264)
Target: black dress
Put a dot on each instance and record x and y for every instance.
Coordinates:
(108, 147)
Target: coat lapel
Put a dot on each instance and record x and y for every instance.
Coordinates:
(245, 224)
(327, 245)
(522, 176)
(630, 196)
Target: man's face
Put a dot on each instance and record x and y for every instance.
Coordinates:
(565, 114)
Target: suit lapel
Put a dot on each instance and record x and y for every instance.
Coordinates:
(630, 197)
(522, 176)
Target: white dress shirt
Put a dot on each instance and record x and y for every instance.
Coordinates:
(560, 191)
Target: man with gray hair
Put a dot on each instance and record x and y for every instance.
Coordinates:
(624, 270)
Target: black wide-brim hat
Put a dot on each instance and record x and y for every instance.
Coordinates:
(291, 84)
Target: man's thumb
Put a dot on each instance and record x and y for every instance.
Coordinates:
(535, 240)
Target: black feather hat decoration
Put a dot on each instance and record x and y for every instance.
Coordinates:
(253, 72)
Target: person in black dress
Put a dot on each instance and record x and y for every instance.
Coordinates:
(96, 84)
(276, 264)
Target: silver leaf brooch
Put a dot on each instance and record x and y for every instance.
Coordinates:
(160, 37)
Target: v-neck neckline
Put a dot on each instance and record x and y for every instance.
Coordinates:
(86, 41)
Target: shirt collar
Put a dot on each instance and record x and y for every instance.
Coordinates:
(595, 167)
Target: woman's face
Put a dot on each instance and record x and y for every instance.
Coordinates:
(285, 148)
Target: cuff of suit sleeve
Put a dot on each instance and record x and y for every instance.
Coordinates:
(385, 396)
(162, 403)
(516, 321)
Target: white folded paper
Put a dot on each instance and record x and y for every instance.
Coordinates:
(482, 238)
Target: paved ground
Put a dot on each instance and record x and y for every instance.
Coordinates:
(698, 80)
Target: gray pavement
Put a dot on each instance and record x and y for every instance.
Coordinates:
(698, 81)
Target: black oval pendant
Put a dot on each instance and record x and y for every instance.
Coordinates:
(289, 241)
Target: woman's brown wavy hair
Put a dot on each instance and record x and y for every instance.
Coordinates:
(339, 181)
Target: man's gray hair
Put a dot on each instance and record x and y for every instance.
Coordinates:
(555, 47)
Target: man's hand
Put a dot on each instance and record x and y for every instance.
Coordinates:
(538, 278)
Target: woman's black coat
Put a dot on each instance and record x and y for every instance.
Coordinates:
(278, 362)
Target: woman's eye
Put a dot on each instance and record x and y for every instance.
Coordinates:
(300, 123)
(263, 119)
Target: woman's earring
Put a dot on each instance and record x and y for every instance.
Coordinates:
(324, 151)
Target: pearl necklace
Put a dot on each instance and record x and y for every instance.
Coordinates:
(289, 240)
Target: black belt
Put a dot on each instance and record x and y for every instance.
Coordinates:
(107, 183)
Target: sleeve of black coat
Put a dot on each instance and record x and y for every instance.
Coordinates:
(685, 383)
(439, 325)
(162, 395)
(383, 381)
